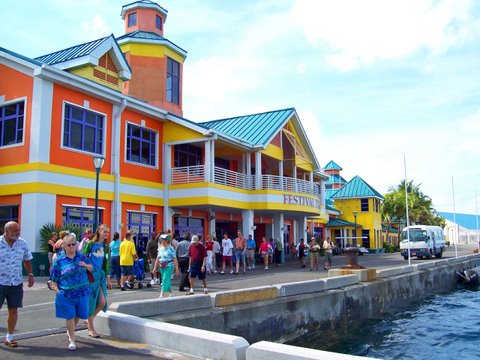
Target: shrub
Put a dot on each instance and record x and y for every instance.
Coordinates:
(47, 229)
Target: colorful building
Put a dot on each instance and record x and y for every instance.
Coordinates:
(355, 210)
(121, 99)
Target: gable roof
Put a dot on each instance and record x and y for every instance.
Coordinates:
(466, 221)
(332, 165)
(256, 129)
(89, 54)
(356, 188)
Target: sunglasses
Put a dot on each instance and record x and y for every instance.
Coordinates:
(72, 244)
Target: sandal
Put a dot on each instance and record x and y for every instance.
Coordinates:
(93, 334)
(11, 344)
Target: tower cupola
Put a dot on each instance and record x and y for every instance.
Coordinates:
(144, 15)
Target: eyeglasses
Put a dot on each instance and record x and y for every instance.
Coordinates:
(72, 244)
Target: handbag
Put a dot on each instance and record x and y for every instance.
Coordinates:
(90, 276)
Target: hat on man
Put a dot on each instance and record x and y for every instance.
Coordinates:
(194, 239)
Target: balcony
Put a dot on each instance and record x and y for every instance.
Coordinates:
(196, 174)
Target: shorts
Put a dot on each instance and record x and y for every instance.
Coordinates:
(68, 308)
(128, 270)
(227, 258)
(115, 269)
(239, 255)
(13, 294)
(196, 269)
(328, 256)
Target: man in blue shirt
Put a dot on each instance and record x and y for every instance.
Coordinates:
(13, 251)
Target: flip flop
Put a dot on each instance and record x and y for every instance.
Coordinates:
(93, 334)
(11, 344)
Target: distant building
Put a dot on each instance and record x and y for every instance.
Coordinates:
(354, 209)
(464, 229)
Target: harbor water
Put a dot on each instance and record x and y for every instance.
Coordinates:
(446, 326)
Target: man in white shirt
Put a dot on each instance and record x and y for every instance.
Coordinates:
(227, 247)
(327, 246)
(13, 252)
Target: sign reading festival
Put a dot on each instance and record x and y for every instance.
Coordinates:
(300, 200)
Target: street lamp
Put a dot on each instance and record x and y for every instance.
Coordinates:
(98, 162)
(355, 229)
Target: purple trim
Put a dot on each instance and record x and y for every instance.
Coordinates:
(11, 123)
(83, 129)
(141, 145)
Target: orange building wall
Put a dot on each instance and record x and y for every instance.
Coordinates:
(70, 157)
(14, 85)
(132, 170)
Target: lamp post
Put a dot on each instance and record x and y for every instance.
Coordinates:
(355, 229)
(98, 162)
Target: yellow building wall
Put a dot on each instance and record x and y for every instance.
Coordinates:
(151, 50)
(87, 73)
(273, 151)
(366, 219)
(176, 132)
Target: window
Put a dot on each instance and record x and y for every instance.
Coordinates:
(222, 163)
(83, 129)
(364, 204)
(8, 213)
(158, 22)
(11, 123)
(143, 225)
(187, 155)
(132, 19)
(141, 145)
(173, 81)
(366, 238)
(377, 205)
(82, 217)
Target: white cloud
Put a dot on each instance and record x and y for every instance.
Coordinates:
(362, 32)
(96, 27)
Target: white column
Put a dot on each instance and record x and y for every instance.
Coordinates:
(211, 222)
(249, 171)
(37, 210)
(247, 223)
(208, 162)
(280, 173)
(167, 211)
(311, 182)
(212, 160)
(258, 170)
(115, 167)
(295, 178)
(302, 229)
(41, 124)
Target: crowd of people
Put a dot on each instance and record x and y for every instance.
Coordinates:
(81, 271)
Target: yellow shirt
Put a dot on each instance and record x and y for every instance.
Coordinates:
(127, 253)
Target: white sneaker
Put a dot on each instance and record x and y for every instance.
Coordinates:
(231, 272)
(152, 282)
(266, 268)
(205, 290)
(249, 267)
(72, 346)
(157, 281)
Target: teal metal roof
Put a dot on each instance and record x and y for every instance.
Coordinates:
(256, 129)
(332, 165)
(335, 179)
(71, 53)
(356, 188)
(340, 223)
(467, 221)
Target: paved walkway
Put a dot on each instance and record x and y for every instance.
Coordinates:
(42, 344)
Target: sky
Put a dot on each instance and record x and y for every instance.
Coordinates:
(380, 86)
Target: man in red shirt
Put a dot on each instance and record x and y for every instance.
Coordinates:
(196, 265)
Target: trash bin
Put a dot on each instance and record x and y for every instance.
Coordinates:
(351, 258)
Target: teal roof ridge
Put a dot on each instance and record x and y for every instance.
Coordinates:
(23, 57)
(332, 165)
(467, 221)
(246, 115)
(340, 222)
(356, 188)
(71, 52)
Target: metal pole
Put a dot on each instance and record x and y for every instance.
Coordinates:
(476, 215)
(355, 230)
(95, 215)
(406, 209)
(455, 219)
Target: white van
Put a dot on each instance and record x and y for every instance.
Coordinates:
(425, 241)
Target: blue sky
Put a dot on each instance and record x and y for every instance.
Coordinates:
(372, 80)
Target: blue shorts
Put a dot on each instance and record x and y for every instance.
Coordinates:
(68, 308)
(115, 270)
(239, 255)
(196, 269)
(13, 294)
(128, 270)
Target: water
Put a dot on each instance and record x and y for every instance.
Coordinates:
(445, 326)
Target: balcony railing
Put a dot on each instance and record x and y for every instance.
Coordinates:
(196, 174)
